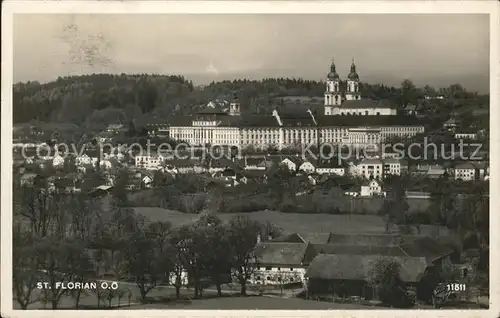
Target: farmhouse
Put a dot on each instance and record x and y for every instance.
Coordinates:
(281, 262)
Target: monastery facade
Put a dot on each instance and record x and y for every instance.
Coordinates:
(348, 120)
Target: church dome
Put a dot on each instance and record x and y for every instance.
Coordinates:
(353, 75)
(333, 75)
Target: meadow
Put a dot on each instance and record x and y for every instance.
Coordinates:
(310, 226)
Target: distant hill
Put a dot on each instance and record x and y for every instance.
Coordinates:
(99, 99)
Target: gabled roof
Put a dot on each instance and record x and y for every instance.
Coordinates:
(296, 160)
(359, 267)
(280, 253)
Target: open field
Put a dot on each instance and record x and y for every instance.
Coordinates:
(304, 224)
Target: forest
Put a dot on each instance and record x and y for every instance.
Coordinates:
(96, 100)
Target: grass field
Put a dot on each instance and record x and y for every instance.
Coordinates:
(305, 224)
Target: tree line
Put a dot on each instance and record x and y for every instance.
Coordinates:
(104, 98)
(67, 238)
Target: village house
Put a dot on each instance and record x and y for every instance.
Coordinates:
(150, 162)
(345, 261)
(433, 171)
(281, 262)
(291, 162)
(221, 165)
(253, 163)
(330, 166)
(307, 167)
(411, 110)
(394, 166)
(57, 161)
(466, 134)
(183, 166)
(370, 169)
(371, 188)
(468, 171)
(451, 124)
(346, 275)
(85, 159)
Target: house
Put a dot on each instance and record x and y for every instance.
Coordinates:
(57, 161)
(350, 275)
(221, 165)
(281, 262)
(451, 124)
(330, 166)
(353, 191)
(182, 166)
(218, 103)
(466, 134)
(255, 175)
(430, 171)
(346, 260)
(291, 162)
(253, 163)
(85, 159)
(307, 167)
(468, 171)
(150, 162)
(371, 188)
(147, 180)
(411, 109)
(370, 169)
(394, 166)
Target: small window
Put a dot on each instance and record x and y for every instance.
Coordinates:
(268, 277)
(279, 269)
(291, 269)
(268, 268)
(258, 277)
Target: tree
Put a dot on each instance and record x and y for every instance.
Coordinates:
(25, 264)
(218, 258)
(78, 263)
(243, 234)
(142, 263)
(385, 277)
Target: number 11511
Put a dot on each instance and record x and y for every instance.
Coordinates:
(455, 287)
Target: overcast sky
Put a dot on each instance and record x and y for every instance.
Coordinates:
(430, 49)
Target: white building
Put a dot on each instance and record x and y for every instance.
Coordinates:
(292, 163)
(280, 263)
(307, 167)
(58, 161)
(330, 166)
(348, 119)
(154, 162)
(372, 188)
(394, 166)
(84, 160)
(469, 171)
(370, 169)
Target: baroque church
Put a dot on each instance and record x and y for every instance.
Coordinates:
(350, 102)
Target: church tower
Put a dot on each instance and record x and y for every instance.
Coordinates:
(333, 99)
(352, 92)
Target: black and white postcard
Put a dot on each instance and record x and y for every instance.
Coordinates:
(285, 157)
